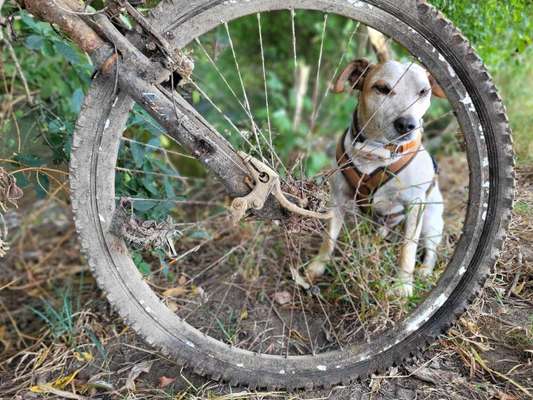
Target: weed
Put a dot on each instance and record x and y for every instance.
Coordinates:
(523, 208)
(61, 319)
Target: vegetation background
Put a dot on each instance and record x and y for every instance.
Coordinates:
(55, 75)
(43, 81)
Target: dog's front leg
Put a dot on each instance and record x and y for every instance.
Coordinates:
(412, 230)
(318, 266)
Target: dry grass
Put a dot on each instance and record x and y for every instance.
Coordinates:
(59, 338)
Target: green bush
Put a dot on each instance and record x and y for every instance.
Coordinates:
(58, 74)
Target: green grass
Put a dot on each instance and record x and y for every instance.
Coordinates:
(523, 208)
(516, 85)
(60, 319)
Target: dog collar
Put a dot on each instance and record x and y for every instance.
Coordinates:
(406, 147)
(364, 185)
(396, 150)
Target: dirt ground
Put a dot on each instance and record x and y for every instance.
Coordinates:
(60, 339)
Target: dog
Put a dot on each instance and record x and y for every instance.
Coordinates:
(385, 168)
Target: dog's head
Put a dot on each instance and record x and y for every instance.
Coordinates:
(393, 97)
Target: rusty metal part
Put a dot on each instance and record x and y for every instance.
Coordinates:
(267, 182)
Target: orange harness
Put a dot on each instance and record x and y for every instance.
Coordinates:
(365, 185)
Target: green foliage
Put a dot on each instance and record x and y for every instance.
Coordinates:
(500, 30)
(40, 134)
(148, 173)
(60, 319)
(288, 137)
(59, 75)
(516, 84)
(523, 208)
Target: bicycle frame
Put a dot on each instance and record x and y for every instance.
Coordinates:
(115, 56)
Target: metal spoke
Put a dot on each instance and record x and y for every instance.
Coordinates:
(246, 101)
(328, 321)
(189, 202)
(176, 153)
(217, 262)
(311, 341)
(318, 67)
(141, 172)
(246, 110)
(228, 119)
(265, 83)
(335, 72)
(293, 29)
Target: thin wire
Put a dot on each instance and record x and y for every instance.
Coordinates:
(293, 27)
(254, 129)
(247, 112)
(157, 148)
(317, 82)
(259, 24)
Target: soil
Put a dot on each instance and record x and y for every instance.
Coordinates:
(488, 354)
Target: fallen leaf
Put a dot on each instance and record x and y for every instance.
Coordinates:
(60, 393)
(282, 297)
(172, 306)
(137, 370)
(182, 280)
(165, 381)
(505, 396)
(83, 356)
(59, 383)
(4, 338)
(175, 292)
(199, 291)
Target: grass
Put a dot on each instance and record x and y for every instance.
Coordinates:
(61, 319)
(523, 208)
(516, 86)
(90, 338)
(43, 342)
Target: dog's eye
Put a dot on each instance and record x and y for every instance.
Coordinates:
(424, 92)
(383, 89)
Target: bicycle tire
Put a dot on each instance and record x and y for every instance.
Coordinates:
(422, 29)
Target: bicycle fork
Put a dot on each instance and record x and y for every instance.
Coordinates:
(116, 57)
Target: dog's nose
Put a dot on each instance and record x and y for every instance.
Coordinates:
(405, 125)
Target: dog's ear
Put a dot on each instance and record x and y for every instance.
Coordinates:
(355, 73)
(435, 87)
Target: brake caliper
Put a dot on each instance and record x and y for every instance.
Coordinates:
(266, 182)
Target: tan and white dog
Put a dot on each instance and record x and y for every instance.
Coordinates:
(384, 166)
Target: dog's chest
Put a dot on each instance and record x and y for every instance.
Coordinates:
(408, 186)
(388, 200)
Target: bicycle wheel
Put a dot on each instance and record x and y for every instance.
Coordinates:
(228, 299)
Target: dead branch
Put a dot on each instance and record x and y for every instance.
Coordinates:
(69, 22)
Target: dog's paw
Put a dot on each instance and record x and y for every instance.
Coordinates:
(402, 288)
(315, 270)
(425, 271)
(383, 231)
